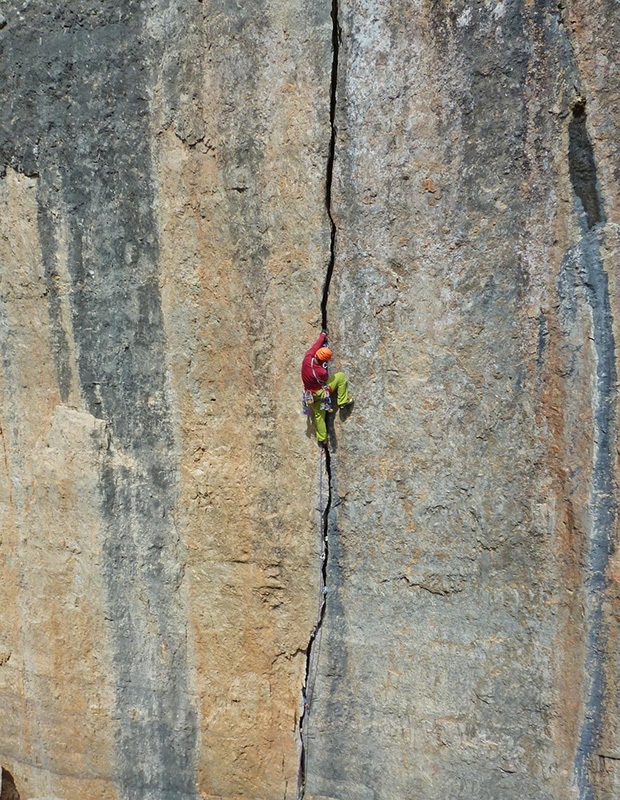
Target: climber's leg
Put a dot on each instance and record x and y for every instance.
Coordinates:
(338, 383)
(318, 414)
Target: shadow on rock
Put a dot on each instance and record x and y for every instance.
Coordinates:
(346, 411)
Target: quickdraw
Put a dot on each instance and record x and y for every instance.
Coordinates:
(326, 400)
(326, 395)
(308, 398)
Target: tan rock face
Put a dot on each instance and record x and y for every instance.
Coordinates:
(164, 241)
(166, 281)
(57, 701)
(243, 238)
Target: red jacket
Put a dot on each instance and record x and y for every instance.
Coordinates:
(312, 373)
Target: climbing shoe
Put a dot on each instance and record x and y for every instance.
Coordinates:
(322, 446)
(348, 404)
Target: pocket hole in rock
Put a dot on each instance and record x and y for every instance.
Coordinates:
(8, 790)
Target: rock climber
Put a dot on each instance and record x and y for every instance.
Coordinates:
(318, 386)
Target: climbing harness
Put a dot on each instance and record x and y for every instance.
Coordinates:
(308, 398)
(326, 397)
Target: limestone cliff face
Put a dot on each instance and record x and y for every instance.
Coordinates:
(189, 190)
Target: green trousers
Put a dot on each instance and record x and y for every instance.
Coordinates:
(338, 384)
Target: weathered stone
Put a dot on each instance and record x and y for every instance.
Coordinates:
(178, 181)
(164, 246)
(474, 510)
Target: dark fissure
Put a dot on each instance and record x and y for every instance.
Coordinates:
(325, 498)
(329, 171)
(313, 645)
(582, 167)
(8, 790)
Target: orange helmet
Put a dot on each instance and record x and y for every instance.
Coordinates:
(324, 354)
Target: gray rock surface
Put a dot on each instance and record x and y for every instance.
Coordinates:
(163, 242)
(467, 645)
(178, 182)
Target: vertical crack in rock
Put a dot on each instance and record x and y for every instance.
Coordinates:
(586, 259)
(314, 644)
(582, 168)
(312, 652)
(329, 170)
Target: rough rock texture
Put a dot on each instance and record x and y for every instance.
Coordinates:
(178, 181)
(164, 240)
(470, 637)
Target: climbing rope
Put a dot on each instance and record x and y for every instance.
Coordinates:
(315, 639)
(321, 526)
(323, 540)
(314, 644)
